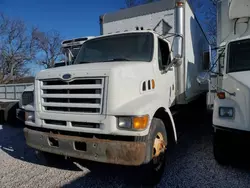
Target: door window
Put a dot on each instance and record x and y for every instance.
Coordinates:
(163, 54)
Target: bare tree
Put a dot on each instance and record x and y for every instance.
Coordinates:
(131, 3)
(207, 11)
(49, 47)
(16, 49)
(3, 23)
(214, 2)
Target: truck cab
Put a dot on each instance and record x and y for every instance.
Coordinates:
(231, 85)
(232, 104)
(110, 81)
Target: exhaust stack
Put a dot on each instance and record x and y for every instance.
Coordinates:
(178, 49)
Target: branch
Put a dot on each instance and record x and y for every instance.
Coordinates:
(50, 45)
(15, 48)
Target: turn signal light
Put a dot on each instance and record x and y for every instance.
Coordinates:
(221, 95)
(140, 122)
(153, 84)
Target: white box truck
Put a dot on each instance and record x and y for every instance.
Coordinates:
(114, 104)
(231, 82)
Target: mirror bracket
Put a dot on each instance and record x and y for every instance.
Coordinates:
(203, 78)
(177, 61)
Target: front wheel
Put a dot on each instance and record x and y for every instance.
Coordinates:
(156, 151)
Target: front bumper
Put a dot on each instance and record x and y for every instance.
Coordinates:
(231, 130)
(100, 150)
(107, 124)
(234, 138)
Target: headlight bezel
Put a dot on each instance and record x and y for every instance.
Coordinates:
(30, 116)
(231, 109)
(129, 120)
(137, 123)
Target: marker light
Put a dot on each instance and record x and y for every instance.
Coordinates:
(221, 95)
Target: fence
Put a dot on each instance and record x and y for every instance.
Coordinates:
(13, 91)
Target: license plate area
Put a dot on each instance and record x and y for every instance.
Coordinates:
(80, 146)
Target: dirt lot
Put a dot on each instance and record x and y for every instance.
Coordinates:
(191, 164)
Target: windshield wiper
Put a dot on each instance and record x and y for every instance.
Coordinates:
(117, 59)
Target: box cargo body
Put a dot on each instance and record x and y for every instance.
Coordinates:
(161, 17)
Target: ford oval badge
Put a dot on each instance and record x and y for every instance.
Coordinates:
(66, 76)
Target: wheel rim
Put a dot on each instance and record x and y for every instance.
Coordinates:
(159, 148)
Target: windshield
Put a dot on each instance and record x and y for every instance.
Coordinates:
(239, 56)
(122, 47)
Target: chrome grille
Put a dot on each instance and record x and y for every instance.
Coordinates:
(27, 98)
(83, 96)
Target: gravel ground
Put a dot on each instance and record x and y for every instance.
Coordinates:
(190, 164)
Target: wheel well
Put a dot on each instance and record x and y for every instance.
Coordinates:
(164, 116)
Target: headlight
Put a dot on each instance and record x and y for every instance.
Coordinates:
(125, 122)
(226, 112)
(136, 122)
(29, 116)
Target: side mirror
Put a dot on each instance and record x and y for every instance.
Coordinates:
(203, 78)
(177, 49)
(177, 46)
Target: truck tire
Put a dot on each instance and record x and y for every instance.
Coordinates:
(220, 149)
(156, 152)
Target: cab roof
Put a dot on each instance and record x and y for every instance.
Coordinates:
(128, 32)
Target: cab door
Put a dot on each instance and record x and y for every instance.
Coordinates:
(166, 74)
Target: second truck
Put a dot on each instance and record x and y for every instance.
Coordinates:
(230, 84)
(115, 103)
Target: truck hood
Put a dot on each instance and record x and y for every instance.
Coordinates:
(89, 69)
(242, 77)
(124, 80)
